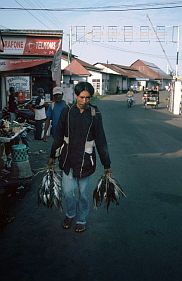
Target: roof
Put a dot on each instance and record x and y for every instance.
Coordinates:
(159, 72)
(126, 71)
(88, 65)
(75, 68)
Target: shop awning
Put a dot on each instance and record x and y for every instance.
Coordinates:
(14, 64)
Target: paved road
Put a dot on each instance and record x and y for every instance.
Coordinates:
(139, 240)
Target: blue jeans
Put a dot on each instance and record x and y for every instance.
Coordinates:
(76, 192)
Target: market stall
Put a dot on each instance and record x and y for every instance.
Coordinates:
(15, 170)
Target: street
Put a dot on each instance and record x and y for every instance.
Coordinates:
(139, 240)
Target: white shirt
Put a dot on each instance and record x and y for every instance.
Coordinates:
(40, 114)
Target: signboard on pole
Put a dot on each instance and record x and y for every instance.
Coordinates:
(56, 65)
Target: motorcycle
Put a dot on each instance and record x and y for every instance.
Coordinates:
(130, 101)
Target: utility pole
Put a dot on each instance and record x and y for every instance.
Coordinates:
(177, 53)
(70, 51)
(70, 45)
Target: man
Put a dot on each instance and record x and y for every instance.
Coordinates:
(130, 93)
(79, 130)
(12, 104)
(130, 97)
(54, 111)
(40, 114)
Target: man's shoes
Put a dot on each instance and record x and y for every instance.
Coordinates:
(80, 228)
(67, 223)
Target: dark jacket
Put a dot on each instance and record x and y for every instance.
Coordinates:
(77, 136)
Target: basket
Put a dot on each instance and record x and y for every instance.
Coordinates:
(19, 153)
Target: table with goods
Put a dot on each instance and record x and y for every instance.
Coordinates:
(15, 170)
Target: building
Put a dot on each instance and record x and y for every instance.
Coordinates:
(120, 77)
(26, 61)
(157, 76)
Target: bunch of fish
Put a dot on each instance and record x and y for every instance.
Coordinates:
(50, 190)
(107, 190)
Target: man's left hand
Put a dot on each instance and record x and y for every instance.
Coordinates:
(108, 172)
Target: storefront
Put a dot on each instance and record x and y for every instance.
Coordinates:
(26, 62)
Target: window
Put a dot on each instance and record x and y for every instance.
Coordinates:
(96, 85)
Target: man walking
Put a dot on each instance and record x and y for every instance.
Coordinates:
(54, 111)
(78, 132)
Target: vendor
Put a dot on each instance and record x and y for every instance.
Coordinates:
(40, 113)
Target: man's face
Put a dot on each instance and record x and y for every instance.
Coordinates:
(57, 97)
(83, 99)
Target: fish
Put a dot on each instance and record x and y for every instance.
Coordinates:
(50, 190)
(108, 190)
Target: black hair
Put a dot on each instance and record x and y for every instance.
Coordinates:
(40, 91)
(12, 90)
(84, 86)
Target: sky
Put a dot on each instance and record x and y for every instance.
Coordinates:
(107, 32)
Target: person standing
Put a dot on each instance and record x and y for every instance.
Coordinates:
(12, 104)
(78, 132)
(54, 111)
(40, 113)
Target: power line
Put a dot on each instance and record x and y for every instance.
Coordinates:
(104, 45)
(28, 11)
(94, 9)
(44, 13)
(160, 42)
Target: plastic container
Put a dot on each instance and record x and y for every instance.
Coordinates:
(19, 153)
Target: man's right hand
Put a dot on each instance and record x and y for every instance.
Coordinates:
(51, 163)
(45, 138)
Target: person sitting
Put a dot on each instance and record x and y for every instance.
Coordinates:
(130, 93)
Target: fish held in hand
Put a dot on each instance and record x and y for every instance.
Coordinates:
(107, 190)
(50, 192)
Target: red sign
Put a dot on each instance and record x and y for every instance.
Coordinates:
(31, 46)
(40, 46)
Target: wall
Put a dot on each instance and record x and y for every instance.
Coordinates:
(96, 76)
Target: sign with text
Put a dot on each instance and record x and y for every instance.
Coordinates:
(20, 83)
(30, 46)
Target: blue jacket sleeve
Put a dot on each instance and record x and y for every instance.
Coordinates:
(60, 132)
